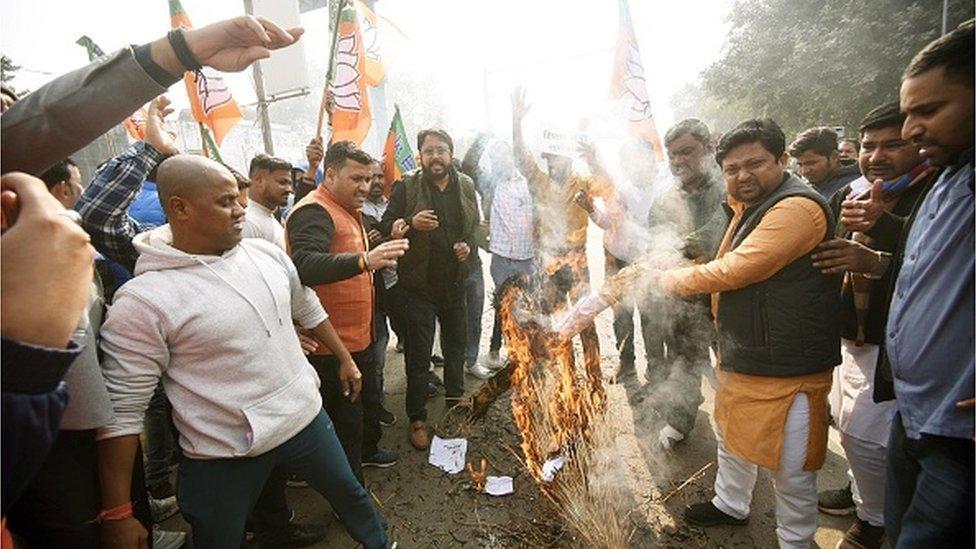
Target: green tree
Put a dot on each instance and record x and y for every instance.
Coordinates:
(7, 69)
(819, 62)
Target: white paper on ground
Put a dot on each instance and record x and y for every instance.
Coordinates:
(551, 467)
(499, 486)
(448, 454)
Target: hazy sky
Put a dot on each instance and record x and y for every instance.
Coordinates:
(561, 50)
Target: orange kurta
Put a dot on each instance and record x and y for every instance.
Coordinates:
(751, 410)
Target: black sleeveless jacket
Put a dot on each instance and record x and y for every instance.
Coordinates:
(786, 325)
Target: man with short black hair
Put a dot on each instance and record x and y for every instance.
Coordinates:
(270, 186)
(328, 243)
(847, 150)
(778, 338)
(438, 208)
(863, 423)
(815, 151)
(63, 180)
(929, 354)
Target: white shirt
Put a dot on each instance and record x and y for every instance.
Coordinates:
(260, 222)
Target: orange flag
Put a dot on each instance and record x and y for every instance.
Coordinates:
(210, 98)
(351, 117)
(135, 124)
(628, 84)
(375, 70)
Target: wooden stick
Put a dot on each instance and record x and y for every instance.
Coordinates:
(329, 74)
(688, 481)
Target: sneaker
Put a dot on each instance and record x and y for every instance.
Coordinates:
(162, 509)
(861, 535)
(386, 417)
(706, 514)
(295, 482)
(836, 502)
(381, 459)
(478, 370)
(437, 361)
(495, 361)
(163, 539)
(669, 436)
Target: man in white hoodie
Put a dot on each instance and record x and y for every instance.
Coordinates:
(245, 400)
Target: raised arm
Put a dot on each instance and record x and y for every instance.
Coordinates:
(523, 158)
(105, 203)
(69, 112)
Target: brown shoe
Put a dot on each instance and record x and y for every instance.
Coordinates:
(419, 438)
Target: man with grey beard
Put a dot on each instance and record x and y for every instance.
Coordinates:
(692, 210)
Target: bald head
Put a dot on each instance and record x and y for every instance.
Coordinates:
(188, 177)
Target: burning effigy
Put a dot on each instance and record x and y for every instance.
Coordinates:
(558, 402)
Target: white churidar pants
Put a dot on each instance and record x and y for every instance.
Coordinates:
(796, 489)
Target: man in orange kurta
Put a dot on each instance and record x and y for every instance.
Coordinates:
(778, 338)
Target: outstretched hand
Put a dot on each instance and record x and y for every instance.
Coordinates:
(233, 44)
(519, 106)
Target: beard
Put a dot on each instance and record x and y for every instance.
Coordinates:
(430, 173)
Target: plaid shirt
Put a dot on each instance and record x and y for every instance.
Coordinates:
(105, 203)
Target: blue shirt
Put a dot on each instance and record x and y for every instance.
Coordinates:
(931, 320)
(146, 209)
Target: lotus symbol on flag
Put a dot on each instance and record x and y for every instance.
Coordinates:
(212, 90)
(345, 83)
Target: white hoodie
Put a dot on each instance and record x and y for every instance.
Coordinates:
(219, 331)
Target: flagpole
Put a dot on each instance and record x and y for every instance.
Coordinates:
(328, 75)
(203, 140)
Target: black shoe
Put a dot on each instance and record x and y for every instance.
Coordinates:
(437, 361)
(836, 502)
(706, 514)
(386, 417)
(432, 389)
(862, 535)
(382, 459)
(298, 535)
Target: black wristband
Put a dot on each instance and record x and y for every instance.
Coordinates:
(182, 51)
(160, 75)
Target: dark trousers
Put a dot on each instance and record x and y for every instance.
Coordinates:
(60, 502)
(162, 450)
(474, 297)
(356, 423)
(419, 313)
(216, 495)
(928, 490)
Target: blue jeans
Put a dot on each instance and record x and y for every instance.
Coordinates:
(215, 495)
(928, 490)
(501, 269)
(474, 297)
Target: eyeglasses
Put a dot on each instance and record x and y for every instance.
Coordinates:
(435, 151)
(752, 166)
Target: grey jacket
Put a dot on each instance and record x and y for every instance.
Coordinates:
(64, 115)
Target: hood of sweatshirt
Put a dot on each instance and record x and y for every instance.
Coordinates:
(156, 252)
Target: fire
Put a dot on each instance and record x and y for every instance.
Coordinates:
(553, 402)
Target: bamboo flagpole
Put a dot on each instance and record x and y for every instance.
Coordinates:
(331, 71)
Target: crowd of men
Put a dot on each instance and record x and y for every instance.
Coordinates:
(237, 326)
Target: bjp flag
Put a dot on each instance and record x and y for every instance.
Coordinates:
(628, 84)
(397, 156)
(210, 99)
(375, 70)
(351, 117)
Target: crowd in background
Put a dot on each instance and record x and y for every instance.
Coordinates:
(236, 326)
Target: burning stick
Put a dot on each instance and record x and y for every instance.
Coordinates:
(480, 477)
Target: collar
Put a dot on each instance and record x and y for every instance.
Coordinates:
(260, 208)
